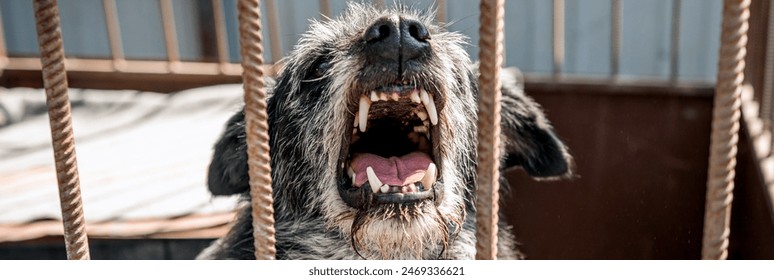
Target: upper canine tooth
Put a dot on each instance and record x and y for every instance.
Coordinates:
(373, 180)
(374, 98)
(365, 104)
(415, 96)
(431, 111)
(424, 97)
(430, 176)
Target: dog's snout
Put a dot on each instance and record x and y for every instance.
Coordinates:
(398, 40)
(414, 36)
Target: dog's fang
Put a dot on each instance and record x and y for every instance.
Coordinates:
(373, 180)
(374, 98)
(421, 114)
(365, 104)
(351, 174)
(430, 174)
(385, 189)
(431, 111)
(415, 96)
(424, 97)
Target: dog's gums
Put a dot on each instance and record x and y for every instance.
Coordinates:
(372, 126)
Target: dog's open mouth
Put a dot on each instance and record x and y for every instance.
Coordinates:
(389, 156)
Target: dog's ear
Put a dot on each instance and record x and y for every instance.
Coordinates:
(528, 139)
(228, 170)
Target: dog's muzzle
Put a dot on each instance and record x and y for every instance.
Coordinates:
(390, 152)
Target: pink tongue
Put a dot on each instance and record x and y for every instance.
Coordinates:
(393, 171)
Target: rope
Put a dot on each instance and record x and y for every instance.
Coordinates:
(488, 174)
(257, 127)
(725, 129)
(55, 82)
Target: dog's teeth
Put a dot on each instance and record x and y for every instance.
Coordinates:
(385, 188)
(374, 98)
(415, 96)
(424, 97)
(430, 176)
(365, 104)
(421, 114)
(420, 129)
(373, 180)
(404, 189)
(431, 111)
(395, 96)
(383, 96)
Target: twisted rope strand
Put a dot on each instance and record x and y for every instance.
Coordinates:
(55, 82)
(488, 169)
(256, 120)
(725, 129)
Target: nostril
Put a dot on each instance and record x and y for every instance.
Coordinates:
(418, 32)
(377, 32)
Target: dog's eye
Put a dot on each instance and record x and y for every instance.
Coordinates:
(321, 69)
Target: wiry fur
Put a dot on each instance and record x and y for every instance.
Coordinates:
(310, 113)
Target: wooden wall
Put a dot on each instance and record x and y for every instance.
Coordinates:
(641, 157)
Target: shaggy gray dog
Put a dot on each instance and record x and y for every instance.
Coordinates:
(373, 139)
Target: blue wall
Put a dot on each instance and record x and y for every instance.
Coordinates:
(645, 45)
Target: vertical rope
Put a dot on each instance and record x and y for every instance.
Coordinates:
(257, 127)
(725, 129)
(55, 82)
(488, 170)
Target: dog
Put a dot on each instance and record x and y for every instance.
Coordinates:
(372, 125)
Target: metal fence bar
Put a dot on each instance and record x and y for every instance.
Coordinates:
(220, 34)
(488, 168)
(615, 38)
(62, 138)
(440, 15)
(3, 50)
(170, 35)
(325, 8)
(257, 129)
(558, 36)
(766, 112)
(274, 31)
(725, 129)
(114, 34)
(674, 57)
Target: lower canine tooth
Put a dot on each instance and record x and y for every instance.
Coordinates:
(374, 98)
(385, 188)
(430, 176)
(373, 180)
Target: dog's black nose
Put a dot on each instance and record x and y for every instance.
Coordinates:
(400, 41)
